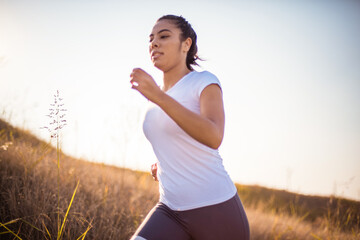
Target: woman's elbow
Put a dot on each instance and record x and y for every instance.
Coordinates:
(213, 136)
(215, 142)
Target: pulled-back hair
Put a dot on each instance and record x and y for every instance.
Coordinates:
(186, 32)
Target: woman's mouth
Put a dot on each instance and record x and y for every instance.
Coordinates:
(155, 55)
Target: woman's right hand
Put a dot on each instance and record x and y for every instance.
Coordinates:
(154, 171)
(145, 84)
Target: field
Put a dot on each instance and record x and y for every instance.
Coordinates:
(83, 200)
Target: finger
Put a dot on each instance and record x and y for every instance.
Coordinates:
(134, 82)
(133, 86)
(134, 71)
(137, 71)
(154, 166)
(155, 177)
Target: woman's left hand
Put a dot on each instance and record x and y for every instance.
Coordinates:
(145, 84)
(154, 171)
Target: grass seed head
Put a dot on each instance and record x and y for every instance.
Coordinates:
(57, 116)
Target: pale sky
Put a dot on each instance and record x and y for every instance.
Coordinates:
(289, 71)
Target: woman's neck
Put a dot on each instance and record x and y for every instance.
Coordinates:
(172, 76)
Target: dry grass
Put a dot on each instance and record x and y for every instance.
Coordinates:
(278, 214)
(282, 226)
(111, 202)
(28, 177)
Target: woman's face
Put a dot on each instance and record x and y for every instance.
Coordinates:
(166, 49)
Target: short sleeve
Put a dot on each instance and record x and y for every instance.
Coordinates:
(207, 79)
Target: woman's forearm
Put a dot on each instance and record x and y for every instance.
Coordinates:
(197, 126)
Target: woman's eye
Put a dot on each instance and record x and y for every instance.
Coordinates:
(161, 37)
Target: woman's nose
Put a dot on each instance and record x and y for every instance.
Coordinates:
(154, 44)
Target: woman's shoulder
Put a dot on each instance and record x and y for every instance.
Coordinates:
(206, 76)
(205, 73)
(203, 79)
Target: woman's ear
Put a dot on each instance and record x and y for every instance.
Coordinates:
(187, 44)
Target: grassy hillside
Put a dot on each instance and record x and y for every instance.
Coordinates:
(342, 212)
(111, 202)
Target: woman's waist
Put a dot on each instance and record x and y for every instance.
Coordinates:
(189, 197)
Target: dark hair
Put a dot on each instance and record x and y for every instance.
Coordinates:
(186, 32)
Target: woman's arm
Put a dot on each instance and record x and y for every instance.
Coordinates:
(206, 127)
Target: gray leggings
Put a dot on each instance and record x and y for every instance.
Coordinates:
(226, 220)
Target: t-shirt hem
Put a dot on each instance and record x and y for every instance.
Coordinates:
(203, 204)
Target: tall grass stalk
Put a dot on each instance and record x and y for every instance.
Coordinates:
(58, 180)
(82, 236)
(57, 122)
(67, 212)
(3, 225)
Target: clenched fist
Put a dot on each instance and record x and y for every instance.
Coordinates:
(145, 84)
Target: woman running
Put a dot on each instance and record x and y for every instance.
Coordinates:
(185, 126)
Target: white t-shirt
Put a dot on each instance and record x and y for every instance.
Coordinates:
(191, 174)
